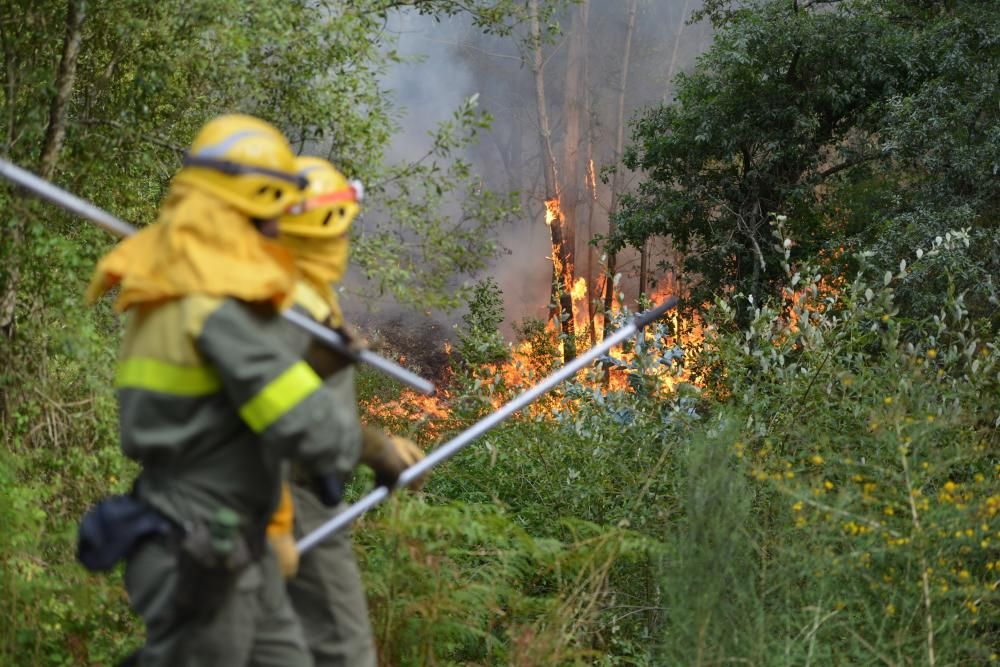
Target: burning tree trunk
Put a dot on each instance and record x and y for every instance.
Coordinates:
(590, 175)
(616, 181)
(573, 110)
(592, 293)
(562, 273)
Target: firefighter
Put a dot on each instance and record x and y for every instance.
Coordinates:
(327, 592)
(211, 400)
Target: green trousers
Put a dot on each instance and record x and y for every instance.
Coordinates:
(327, 592)
(255, 626)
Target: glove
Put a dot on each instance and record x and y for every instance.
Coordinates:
(355, 340)
(388, 456)
(326, 361)
(283, 545)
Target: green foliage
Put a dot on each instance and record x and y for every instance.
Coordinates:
(833, 477)
(465, 583)
(871, 532)
(52, 611)
(418, 252)
(147, 76)
(480, 341)
(871, 123)
(781, 98)
(711, 597)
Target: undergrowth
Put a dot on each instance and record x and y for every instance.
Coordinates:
(828, 494)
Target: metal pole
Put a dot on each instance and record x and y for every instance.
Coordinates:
(337, 342)
(105, 220)
(463, 439)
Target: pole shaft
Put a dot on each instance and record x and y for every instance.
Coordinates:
(335, 340)
(63, 199)
(463, 439)
(105, 220)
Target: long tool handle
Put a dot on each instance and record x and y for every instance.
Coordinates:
(463, 439)
(105, 220)
(337, 342)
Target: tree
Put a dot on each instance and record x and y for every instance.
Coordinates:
(561, 230)
(807, 109)
(616, 182)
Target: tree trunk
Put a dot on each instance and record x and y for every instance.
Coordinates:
(643, 266)
(562, 299)
(55, 134)
(672, 69)
(616, 181)
(591, 176)
(570, 186)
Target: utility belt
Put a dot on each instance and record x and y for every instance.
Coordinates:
(210, 554)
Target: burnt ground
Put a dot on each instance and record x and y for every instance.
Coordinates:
(419, 341)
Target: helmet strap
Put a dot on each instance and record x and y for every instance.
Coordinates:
(231, 168)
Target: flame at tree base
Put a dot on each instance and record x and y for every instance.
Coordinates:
(471, 393)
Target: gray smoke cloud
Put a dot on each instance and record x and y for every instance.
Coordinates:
(455, 61)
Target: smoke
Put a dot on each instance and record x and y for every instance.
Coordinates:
(427, 86)
(431, 82)
(454, 61)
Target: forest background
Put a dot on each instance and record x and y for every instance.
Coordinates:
(801, 467)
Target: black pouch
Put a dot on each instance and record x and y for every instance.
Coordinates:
(113, 528)
(207, 570)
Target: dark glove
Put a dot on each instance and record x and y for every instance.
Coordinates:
(355, 340)
(326, 361)
(388, 456)
(330, 489)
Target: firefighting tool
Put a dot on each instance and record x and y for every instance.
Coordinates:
(105, 220)
(463, 439)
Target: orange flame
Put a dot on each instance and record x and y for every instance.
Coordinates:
(530, 361)
(552, 211)
(592, 179)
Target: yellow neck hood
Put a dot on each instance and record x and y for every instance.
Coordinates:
(198, 245)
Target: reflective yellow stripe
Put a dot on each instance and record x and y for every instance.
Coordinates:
(281, 395)
(167, 378)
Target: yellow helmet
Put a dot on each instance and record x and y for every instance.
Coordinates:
(247, 163)
(329, 202)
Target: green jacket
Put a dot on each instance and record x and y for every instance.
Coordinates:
(337, 374)
(213, 394)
